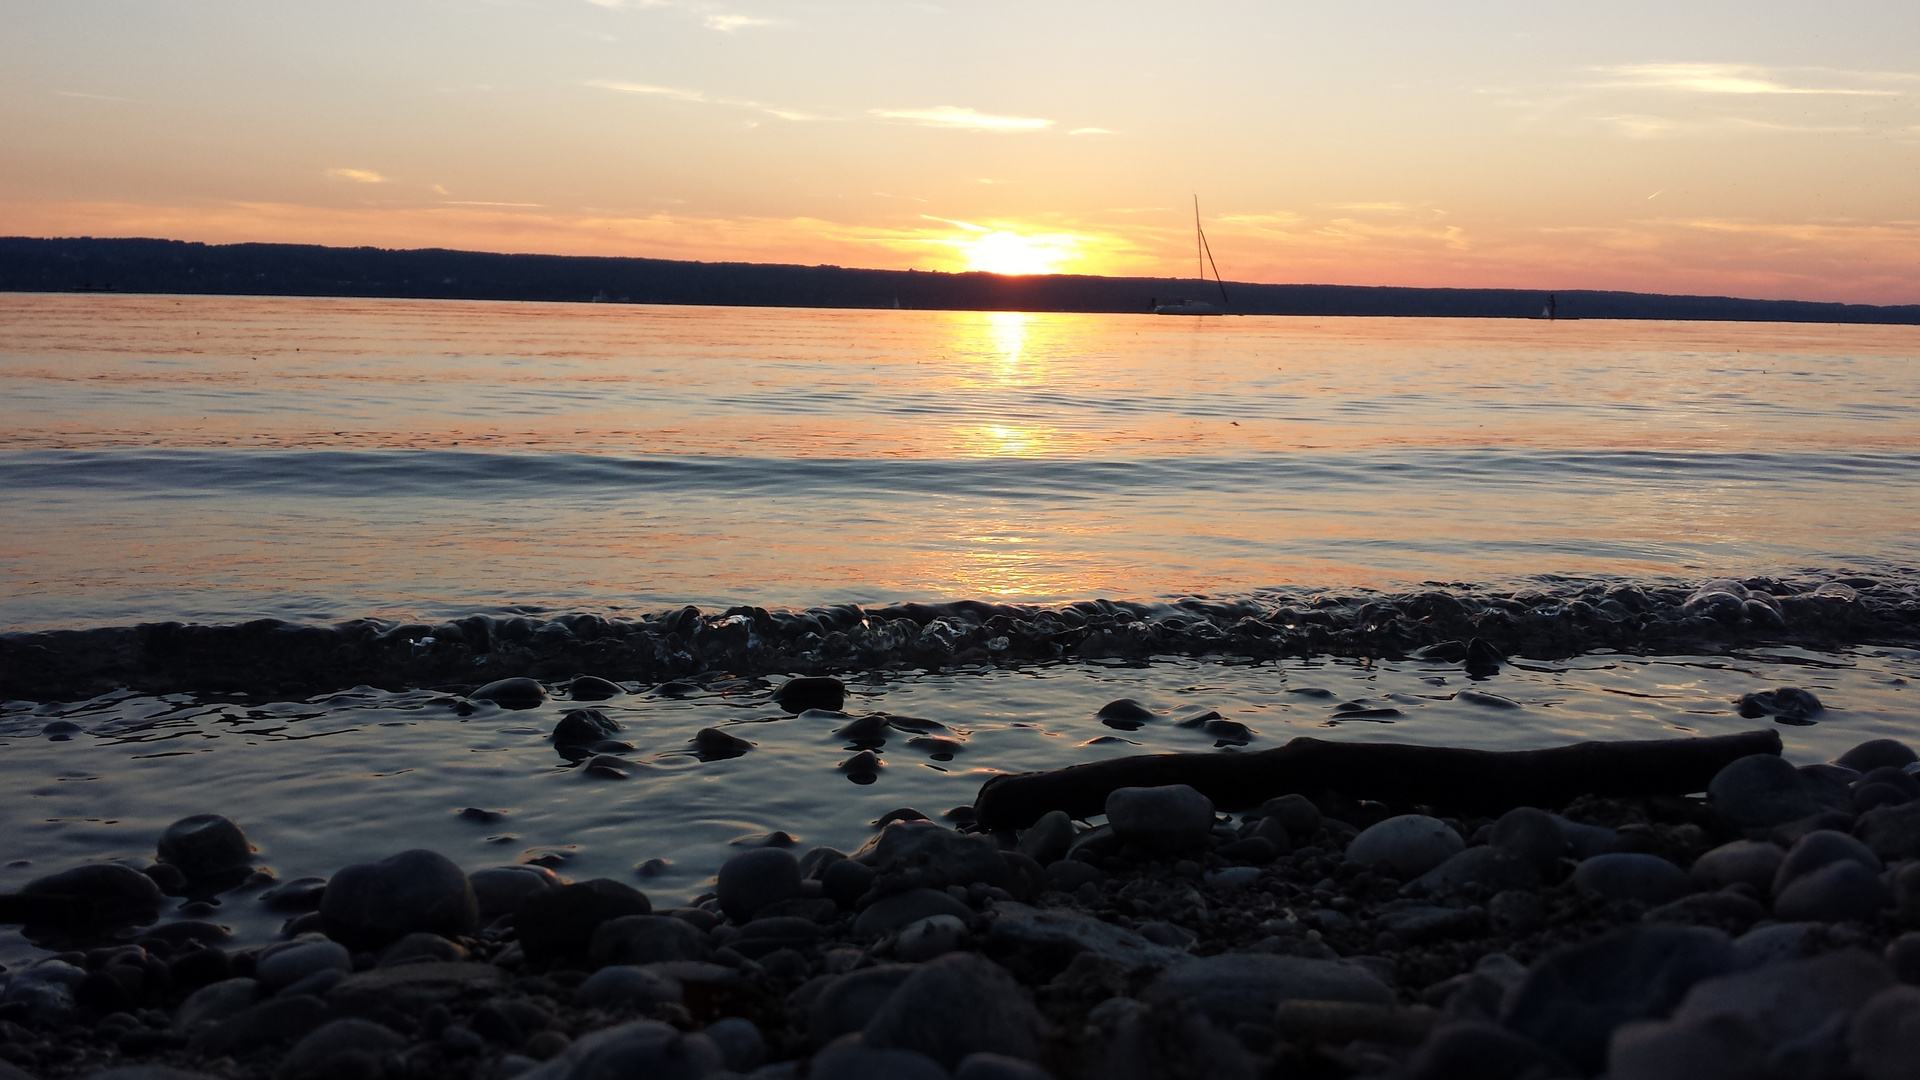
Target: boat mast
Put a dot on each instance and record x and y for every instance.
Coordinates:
(1200, 244)
(1199, 266)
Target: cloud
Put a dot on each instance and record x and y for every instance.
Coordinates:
(358, 176)
(727, 24)
(90, 97)
(952, 116)
(1732, 79)
(1091, 131)
(675, 93)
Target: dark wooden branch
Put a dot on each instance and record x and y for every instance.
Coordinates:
(1447, 778)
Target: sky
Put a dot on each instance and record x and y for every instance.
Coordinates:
(1752, 148)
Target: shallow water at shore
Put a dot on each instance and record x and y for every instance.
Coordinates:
(361, 774)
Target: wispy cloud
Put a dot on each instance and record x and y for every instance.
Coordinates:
(358, 176)
(678, 94)
(1091, 131)
(952, 116)
(727, 24)
(1740, 79)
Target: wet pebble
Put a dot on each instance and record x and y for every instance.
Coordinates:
(284, 965)
(558, 924)
(646, 939)
(956, 1005)
(1532, 834)
(1632, 876)
(895, 912)
(1749, 862)
(205, 845)
(515, 693)
(1877, 753)
(339, 1048)
(930, 854)
(935, 935)
(751, 880)
(108, 893)
(811, 692)
(1047, 839)
(371, 905)
(629, 986)
(501, 890)
(593, 688)
(1407, 846)
(1760, 790)
(1837, 891)
(1167, 819)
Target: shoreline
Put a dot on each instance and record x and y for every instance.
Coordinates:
(1558, 620)
(1323, 933)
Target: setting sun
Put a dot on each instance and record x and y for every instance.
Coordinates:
(1003, 252)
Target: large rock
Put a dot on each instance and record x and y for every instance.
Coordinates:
(1885, 1035)
(1573, 998)
(1817, 849)
(752, 880)
(1877, 753)
(1532, 834)
(1746, 862)
(205, 845)
(110, 894)
(811, 692)
(847, 1002)
(558, 925)
(933, 856)
(371, 905)
(1170, 819)
(646, 1048)
(1235, 988)
(1786, 1001)
(1891, 832)
(337, 1048)
(1632, 876)
(500, 890)
(1065, 934)
(1760, 791)
(1837, 892)
(516, 693)
(957, 1005)
(646, 939)
(1406, 846)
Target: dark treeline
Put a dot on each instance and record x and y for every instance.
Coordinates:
(172, 266)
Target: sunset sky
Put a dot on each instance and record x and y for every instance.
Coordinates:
(1754, 148)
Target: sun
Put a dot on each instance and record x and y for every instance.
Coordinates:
(999, 251)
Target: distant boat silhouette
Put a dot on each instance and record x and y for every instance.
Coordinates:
(1202, 258)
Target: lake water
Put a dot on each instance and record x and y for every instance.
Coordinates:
(220, 459)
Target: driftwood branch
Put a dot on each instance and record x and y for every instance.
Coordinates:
(1465, 781)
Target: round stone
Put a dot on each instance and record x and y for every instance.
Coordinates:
(1632, 876)
(1876, 753)
(1406, 846)
(1748, 862)
(370, 905)
(558, 924)
(111, 893)
(205, 845)
(512, 693)
(1817, 849)
(753, 879)
(1837, 892)
(1760, 790)
(1167, 820)
(1532, 834)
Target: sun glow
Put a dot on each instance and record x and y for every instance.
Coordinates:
(999, 251)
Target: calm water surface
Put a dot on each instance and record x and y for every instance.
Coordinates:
(221, 458)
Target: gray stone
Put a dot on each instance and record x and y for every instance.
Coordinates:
(742, 1047)
(1232, 877)
(1776, 943)
(115, 894)
(1295, 814)
(422, 947)
(1235, 988)
(956, 1005)
(1760, 790)
(985, 1066)
(935, 935)
(1495, 869)
(277, 1020)
(1047, 840)
(1903, 957)
(371, 905)
(1789, 1000)
(1066, 934)
(646, 939)
(1891, 832)
(1632, 876)
(205, 845)
(1067, 875)
(1586, 841)
(849, 1001)
(1532, 834)
(1721, 1048)
(1747, 862)
(1876, 753)
(1884, 1039)
(214, 1003)
(1836, 892)
(1573, 997)
(933, 855)
(624, 985)
(558, 925)
(516, 693)
(646, 1048)
(46, 991)
(811, 692)
(852, 1059)
(1167, 820)
(284, 965)
(1817, 849)
(319, 1054)
(1406, 846)
(1476, 1050)
(500, 890)
(887, 915)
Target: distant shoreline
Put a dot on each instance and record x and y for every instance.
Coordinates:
(33, 265)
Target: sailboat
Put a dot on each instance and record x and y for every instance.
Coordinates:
(1202, 258)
